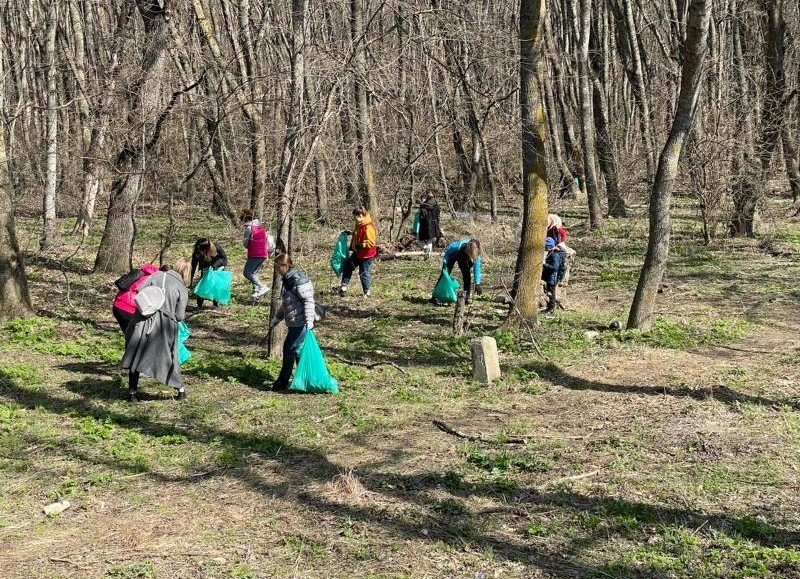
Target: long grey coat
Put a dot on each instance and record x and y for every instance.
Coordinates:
(151, 344)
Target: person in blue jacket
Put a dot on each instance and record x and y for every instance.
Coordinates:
(552, 273)
(467, 254)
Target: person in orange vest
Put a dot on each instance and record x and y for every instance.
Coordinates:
(363, 248)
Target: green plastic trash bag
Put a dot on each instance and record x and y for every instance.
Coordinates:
(312, 374)
(215, 285)
(446, 290)
(339, 254)
(415, 227)
(183, 334)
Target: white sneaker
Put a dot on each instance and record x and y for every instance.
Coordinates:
(367, 293)
(343, 290)
(261, 291)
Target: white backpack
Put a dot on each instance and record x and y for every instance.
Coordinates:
(151, 299)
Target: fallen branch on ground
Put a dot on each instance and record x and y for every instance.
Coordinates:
(473, 438)
(575, 477)
(367, 364)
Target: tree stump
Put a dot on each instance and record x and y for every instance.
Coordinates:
(460, 316)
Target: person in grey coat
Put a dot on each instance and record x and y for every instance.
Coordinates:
(151, 344)
(297, 309)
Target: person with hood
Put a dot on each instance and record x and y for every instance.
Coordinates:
(363, 248)
(552, 272)
(467, 254)
(260, 245)
(429, 230)
(151, 343)
(124, 306)
(297, 310)
(207, 253)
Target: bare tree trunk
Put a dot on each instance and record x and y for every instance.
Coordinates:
(528, 268)
(15, 301)
(321, 187)
(582, 25)
(791, 161)
(116, 246)
(366, 177)
(51, 176)
(655, 264)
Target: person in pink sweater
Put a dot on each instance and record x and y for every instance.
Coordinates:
(124, 306)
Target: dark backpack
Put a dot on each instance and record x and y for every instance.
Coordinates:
(125, 282)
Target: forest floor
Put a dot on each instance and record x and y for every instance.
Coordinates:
(669, 454)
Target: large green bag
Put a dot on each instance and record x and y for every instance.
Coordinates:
(339, 254)
(312, 374)
(446, 290)
(215, 285)
(184, 355)
(415, 227)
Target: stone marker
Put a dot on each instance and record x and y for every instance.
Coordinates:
(485, 364)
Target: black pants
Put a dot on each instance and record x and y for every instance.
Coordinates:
(466, 272)
(551, 297)
(123, 318)
(291, 345)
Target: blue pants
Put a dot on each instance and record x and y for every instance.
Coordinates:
(363, 265)
(291, 345)
(251, 268)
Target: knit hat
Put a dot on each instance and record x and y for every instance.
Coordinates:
(549, 243)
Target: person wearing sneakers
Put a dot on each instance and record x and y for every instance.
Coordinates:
(467, 254)
(297, 310)
(363, 248)
(260, 245)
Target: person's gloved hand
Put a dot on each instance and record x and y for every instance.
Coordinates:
(478, 289)
(310, 325)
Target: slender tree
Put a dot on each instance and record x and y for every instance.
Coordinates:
(51, 175)
(655, 264)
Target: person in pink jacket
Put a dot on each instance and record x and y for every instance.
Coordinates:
(260, 245)
(124, 306)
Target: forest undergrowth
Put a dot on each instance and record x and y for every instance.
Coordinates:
(606, 453)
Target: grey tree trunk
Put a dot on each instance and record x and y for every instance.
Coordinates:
(655, 264)
(528, 268)
(15, 301)
(366, 178)
(51, 176)
(116, 246)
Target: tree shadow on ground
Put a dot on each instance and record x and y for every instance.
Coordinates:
(450, 523)
(723, 394)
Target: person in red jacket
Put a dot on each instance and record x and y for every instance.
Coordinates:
(364, 248)
(124, 306)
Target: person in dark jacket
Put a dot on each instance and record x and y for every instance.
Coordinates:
(551, 272)
(297, 310)
(429, 230)
(151, 343)
(467, 254)
(207, 253)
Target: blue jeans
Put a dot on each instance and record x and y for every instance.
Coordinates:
(251, 268)
(291, 345)
(363, 265)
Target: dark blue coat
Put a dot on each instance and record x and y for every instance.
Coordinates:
(552, 265)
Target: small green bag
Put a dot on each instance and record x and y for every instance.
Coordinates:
(446, 290)
(312, 374)
(184, 355)
(339, 254)
(215, 285)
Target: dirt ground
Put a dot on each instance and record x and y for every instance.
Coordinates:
(610, 454)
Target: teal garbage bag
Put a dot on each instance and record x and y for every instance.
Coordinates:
(339, 254)
(215, 285)
(184, 355)
(446, 290)
(312, 374)
(415, 227)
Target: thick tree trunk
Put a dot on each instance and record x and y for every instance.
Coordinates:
(528, 268)
(655, 265)
(116, 246)
(15, 300)
(791, 161)
(51, 176)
